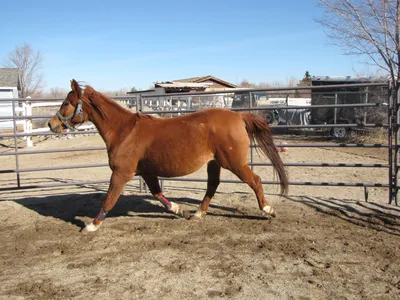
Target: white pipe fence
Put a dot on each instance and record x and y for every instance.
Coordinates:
(26, 110)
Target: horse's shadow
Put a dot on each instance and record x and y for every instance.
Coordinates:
(365, 214)
(73, 207)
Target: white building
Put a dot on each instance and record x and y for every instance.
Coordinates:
(9, 88)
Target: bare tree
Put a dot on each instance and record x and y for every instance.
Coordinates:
(29, 64)
(291, 82)
(112, 93)
(247, 84)
(368, 28)
(265, 85)
(57, 92)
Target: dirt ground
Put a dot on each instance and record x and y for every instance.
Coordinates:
(325, 243)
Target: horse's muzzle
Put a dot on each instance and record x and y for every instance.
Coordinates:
(55, 129)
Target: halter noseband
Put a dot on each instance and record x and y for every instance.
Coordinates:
(78, 111)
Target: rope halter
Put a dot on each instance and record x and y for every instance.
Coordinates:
(78, 111)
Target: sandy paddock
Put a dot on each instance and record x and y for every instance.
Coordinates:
(325, 243)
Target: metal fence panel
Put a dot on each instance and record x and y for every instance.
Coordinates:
(182, 103)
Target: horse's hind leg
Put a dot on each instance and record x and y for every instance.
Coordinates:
(155, 189)
(213, 171)
(254, 181)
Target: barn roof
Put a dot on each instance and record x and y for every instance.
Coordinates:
(182, 84)
(9, 77)
(201, 79)
(345, 79)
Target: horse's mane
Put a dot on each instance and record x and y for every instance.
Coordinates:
(144, 116)
(96, 100)
(92, 101)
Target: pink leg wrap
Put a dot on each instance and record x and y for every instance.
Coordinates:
(164, 201)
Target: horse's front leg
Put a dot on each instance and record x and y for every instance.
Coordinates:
(117, 184)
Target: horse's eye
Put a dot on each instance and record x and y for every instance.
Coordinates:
(66, 103)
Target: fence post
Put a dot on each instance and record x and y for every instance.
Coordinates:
(335, 110)
(139, 109)
(395, 97)
(392, 112)
(16, 144)
(138, 97)
(28, 122)
(366, 101)
(251, 143)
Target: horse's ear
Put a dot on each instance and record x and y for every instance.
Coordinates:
(75, 87)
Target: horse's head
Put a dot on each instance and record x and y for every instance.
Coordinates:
(70, 113)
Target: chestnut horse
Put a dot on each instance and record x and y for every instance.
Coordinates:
(138, 144)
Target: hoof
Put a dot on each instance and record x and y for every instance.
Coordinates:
(90, 227)
(195, 218)
(269, 210)
(198, 215)
(177, 210)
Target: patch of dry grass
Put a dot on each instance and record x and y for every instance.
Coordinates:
(368, 137)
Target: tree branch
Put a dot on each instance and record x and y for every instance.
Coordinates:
(29, 64)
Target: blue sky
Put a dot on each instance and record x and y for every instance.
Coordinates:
(121, 44)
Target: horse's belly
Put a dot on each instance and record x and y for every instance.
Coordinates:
(166, 166)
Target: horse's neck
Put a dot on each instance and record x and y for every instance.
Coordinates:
(115, 123)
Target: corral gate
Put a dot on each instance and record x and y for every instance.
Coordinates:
(182, 103)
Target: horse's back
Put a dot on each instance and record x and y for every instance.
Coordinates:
(210, 114)
(214, 116)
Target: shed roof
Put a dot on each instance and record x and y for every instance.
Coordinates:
(183, 84)
(9, 77)
(200, 79)
(344, 79)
